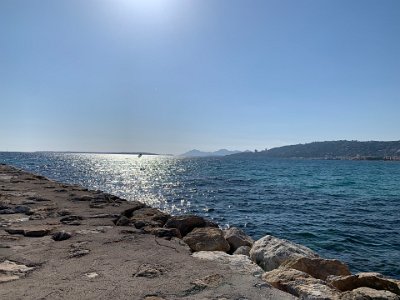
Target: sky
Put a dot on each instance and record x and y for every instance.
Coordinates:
(167, 76)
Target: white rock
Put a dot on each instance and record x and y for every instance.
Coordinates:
(240, 263)
(270, 252)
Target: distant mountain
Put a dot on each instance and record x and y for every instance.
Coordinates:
(335, 150)
(198, 153)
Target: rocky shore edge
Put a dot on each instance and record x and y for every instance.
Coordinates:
(282, 264)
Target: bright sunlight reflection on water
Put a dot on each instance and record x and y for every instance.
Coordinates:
(133, 178)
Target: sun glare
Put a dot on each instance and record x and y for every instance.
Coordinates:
(146, 8)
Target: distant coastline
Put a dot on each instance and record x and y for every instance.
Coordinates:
(333, 150)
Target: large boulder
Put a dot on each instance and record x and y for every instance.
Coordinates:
(270, 252)
(318, 267)
(206, 239)
(237, 238)
(371, 280)
(186, 223)
(365, 293)
(237, 263)
(300, 284)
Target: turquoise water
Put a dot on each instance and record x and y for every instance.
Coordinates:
(348, 210)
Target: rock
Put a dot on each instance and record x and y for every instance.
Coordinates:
(91, 275)
(22, 209)
(34, 231)
(167, 233)
(210, 223)
(148, 217)
(212, 281)
(10, 271)
(318, 267)
(300, 284)
(10, 266)
(7, 211)
(206, 239)
(135, 205)
(186, 223)
(371, 280)
(64, 212)
(237, 238)
(122, 221)
(14, 230)
(78, 253)
(242, 250)
(365, 293)
(150, 271)
(237, 263)
(270, 252)
(61, 235)
(71, 220)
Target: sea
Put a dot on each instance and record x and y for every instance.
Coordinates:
(347, 210)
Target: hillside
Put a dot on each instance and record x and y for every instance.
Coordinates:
(335, 150)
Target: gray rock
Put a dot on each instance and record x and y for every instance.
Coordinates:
(64, 212)
(71, 220)
(7, 211)
(34, 231)
(318, 267)
(206, 239)
(242, 250)
(270, 252)
(237, 238)
(61, 235)
(122, 221)
(22, 209)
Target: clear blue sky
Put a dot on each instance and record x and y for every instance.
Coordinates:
(168, 76)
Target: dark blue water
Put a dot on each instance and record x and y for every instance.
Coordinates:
(348, 210)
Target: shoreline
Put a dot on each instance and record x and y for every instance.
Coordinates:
(55, 236)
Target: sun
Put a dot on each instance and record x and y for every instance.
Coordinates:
(147, 8)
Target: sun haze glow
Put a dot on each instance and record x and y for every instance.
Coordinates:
(152, 10)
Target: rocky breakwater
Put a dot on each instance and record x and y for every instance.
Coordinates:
(56, 236)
